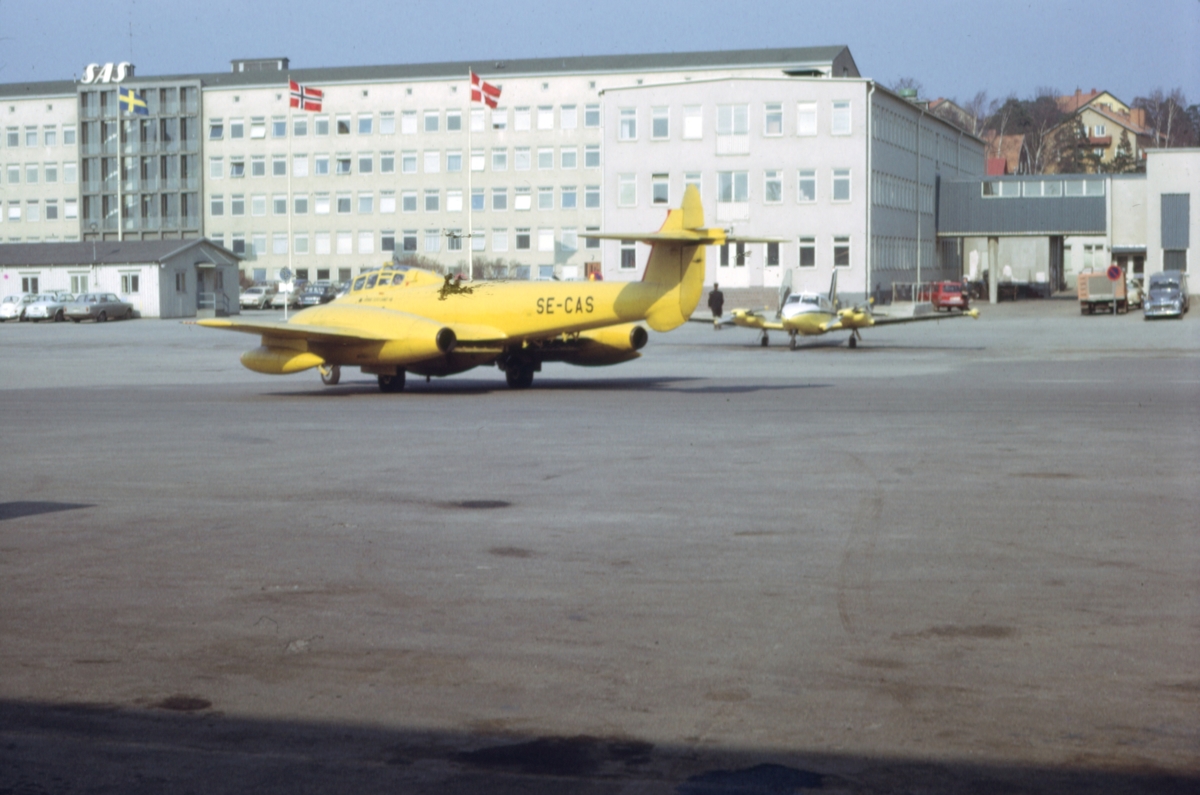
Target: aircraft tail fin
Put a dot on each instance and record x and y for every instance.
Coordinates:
(677, 261)
(833, 296)
(785, 289)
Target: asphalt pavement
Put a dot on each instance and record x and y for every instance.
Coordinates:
(962, 557)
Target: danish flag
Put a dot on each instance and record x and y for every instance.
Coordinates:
(482, 91)
(304, 97)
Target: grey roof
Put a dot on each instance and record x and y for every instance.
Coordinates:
(786, 58)
(105, 252)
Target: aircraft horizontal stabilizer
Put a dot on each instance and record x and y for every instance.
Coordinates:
(701, 237)
(295, 330)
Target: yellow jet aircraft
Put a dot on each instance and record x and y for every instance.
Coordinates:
(399, 320)
(813, 314)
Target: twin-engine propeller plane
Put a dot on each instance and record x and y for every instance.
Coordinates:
(811, 314)
(397, 321)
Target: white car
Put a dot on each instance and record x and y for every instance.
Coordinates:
(12, 307)
(256, 298)
(48, 306)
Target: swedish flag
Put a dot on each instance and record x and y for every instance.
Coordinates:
(132, 103)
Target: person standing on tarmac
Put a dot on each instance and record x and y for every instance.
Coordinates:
(716, 302)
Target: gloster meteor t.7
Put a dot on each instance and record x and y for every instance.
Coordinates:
(403, 320)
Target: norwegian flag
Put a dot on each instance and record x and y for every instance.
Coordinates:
(482, 91)
(304, 97)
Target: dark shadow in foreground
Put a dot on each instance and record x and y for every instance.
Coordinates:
(19, 508)
(182, 745)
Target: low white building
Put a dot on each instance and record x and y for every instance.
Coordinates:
(161, 278)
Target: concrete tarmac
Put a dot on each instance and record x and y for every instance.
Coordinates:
(961, 558)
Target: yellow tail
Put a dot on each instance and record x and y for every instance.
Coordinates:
(676, 264)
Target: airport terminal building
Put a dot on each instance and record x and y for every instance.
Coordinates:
(398, 162)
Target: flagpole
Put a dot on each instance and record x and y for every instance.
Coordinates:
(470, 197)
(120, 194)
(290, 201)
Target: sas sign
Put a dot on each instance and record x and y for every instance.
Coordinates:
(108, 73)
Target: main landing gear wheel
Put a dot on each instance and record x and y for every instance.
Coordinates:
(519, 376)
(793, 342)
(854, 340)
(765, 341)
(330, 375)
(391, 383)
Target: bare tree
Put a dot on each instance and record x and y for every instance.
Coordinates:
(978, 108)
(1042, 115)
(1166, 114)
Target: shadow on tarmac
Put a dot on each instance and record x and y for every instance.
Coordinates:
(181, 745)
(19, 508)
(464, 387)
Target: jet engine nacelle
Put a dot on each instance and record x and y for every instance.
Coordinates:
(608, 345)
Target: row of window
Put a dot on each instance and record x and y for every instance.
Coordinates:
(541, 117)
(47, 134)
(35, 210)
(409, 201)
(1052, 188)
(733, 122)
(432, 241)
(32, 173)
(431, 161)
(734, 187)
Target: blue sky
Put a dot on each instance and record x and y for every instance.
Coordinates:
(954, 48)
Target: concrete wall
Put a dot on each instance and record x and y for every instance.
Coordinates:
(1171, 171)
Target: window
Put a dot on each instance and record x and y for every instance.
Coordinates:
(568, 117)
(591, 115)
(130, 283)
(476, 119)
(366, 203)
(522, 199)
(432, 121)
(279, 243)
(366, 162)
(454, 120)
(70, 172)
(432, 200)
(627, 131)
(279, 166)
(50, 135)
(772, 255)
(693, 122)
(299, 127)
(806, 118)
(691, 179)
(660, 124)
(300, 243)
(570, 198)
(841, 252)
(733, 129)
(545, 239)
(499, 160)
(569, 157)
(773, 187)
(216, 205)
(500, 199)
(523, 239)
(500, 119)
(454, 240)
(628, 255)
(13, 137)
(408, 162)
(31, 136)
(591, 197)
(387, 201)
(181, 282)
(71, 209)
(216, 129)
(387, 122)
(33, 210)
(841, 185)
(279, 130)
(321, 127)
(345, 243)
(521, 158)
(545, 158)
(545, 198)
(408, 201)
(342, 120)
(433, 240)
(521, 118)
(216, 167)
(773, 119)
(366, 242)
(258, 204)
(258, 128)
(321, 204)
(237, 204)
(432, 161)
(342, 164)
(387, 162)
(840, 120)
(300, 165)
(300, 204)
(808, 252)
(807, 185)
(31, 173)
(591, 156)
(660, 189)
(69, 135)
(477, 160)
(733, 186)
(387, 240)
(51, 209)
(626, 190)
(454, 161)
(321, 165)
(591, 242)
(14, 173)
(408, 240)
(545, 117)
(258, 166)
(365, 122)
(477, 200)
(321, 242)
(499, 240)
(408, 124)
(454, 200)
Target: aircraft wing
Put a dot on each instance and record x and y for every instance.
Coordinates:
(748, 318)
(857, 318)
(466, 334)
(295, 330)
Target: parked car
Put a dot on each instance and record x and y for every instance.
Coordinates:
(49, 306)
(13, 307)
(949, 295)
(1134, 295)
(98, 307)
(1167, 295)
(257, 297)
(317, 294)
(282, 298)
